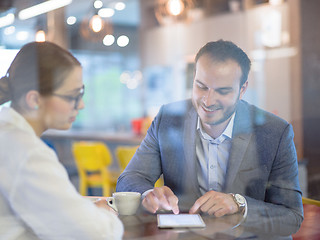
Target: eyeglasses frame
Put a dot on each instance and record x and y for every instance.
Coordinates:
(69, 98)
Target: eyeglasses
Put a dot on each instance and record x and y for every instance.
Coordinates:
(69, 98)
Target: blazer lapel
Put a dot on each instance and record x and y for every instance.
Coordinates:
(238, 149)
(189, 137)
(242, 132)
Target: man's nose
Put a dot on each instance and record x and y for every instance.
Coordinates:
(210, 98)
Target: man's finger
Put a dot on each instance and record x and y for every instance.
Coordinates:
(161, 196)
(151, 203)
(197, 205)
(194, 209)
(173, 201)
(167, 199)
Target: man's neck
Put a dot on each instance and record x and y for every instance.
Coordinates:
(215, 131)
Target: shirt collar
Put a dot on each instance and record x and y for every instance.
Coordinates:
(227, 131)
(9, 115)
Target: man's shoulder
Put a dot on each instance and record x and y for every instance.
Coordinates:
(178, 108)
(259, 118)
(176, 113)
(257, 111)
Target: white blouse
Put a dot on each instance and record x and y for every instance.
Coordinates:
(37, 200)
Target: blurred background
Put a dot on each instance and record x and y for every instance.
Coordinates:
(139, 54)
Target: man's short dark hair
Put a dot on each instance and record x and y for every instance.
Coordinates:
(225, 50)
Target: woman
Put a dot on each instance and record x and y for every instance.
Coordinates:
(37, 200)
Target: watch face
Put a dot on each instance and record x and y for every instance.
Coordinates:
(240, 199)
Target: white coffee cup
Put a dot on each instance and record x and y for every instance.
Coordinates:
(125, 203)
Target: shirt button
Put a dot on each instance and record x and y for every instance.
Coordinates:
(211, 167)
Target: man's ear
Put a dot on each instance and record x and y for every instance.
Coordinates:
(33, 99)
(243, 89)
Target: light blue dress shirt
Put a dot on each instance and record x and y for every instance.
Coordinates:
(212, 155)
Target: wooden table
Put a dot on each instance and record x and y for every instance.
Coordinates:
(310, 228)
(144, 226)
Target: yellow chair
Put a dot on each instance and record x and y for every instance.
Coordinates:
(124, 155)
(310, 201)
(92, 160)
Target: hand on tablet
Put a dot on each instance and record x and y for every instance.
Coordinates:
(161, 198)
(215, 203)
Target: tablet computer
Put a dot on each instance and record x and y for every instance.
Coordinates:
(180, 220)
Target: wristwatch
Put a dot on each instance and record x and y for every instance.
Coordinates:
(240, 201)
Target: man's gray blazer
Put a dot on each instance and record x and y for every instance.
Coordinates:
(262, 164)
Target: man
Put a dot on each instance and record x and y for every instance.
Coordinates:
(217, 153)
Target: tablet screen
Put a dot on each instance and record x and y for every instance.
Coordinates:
(179, 220)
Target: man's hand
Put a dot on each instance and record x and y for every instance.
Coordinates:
(215, 203)
(161, 198)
